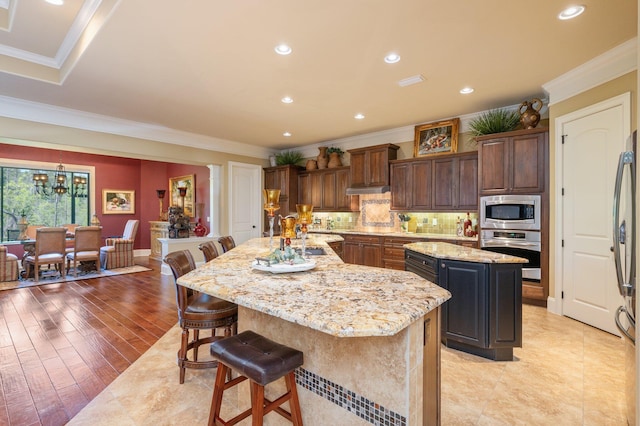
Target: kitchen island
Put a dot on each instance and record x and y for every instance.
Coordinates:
(484, 315)
(370, 336)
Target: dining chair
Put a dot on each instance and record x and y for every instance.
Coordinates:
(209, 250)
(198, 311)
(49, 250)
(86, 247)
(227, 243)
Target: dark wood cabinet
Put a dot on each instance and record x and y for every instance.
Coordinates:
(362, 250)
(393, 251)
(337, 247)
(326, 190)
(370, 166)
(284, 178)
(445, 183)
(513, 162)
(411, 185)
(484, 314)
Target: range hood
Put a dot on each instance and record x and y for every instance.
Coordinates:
(365, 190)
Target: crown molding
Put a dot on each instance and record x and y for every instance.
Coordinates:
(47, 114)
(612, 64)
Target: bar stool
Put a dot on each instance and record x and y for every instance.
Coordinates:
(198, 311)
(227, 242)
(262, 361)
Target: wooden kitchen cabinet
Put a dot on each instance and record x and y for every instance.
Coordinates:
(370, 166)
(338, 248)
(284, 178)
(362, 250)
(513, 162)
(326, 190)
(411, 185)
(393, 251)
(445, 183)
(455, 182)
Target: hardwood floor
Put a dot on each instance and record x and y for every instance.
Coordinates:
(62, 344)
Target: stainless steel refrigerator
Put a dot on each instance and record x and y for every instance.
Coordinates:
(624, 250)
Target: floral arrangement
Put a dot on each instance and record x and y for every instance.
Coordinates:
(335, 149)
(287, 256)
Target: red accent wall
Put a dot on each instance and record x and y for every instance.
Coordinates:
(142, 176)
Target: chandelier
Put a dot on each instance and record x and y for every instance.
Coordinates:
(41, 179)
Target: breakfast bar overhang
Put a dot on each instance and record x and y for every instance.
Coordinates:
(370, 336)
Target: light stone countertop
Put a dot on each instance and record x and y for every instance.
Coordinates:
(449, 251)
(339, 299)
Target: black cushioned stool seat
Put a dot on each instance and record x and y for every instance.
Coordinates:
(262, 361)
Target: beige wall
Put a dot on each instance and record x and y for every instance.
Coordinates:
(618, 86)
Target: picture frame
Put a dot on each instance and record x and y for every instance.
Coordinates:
(118, 201)
(189, 182)
(436, 138)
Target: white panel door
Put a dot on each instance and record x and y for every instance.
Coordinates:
(592, 144)
(245, 207)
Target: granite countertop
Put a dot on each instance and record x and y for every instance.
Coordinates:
(441, 250)
(339, 299)
(417, 235)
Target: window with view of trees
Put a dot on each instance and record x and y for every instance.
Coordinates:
(42, 206)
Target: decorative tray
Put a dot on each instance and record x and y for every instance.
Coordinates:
(283, 268)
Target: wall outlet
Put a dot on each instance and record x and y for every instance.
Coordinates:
(338, 219)
(350, 219)
(434, 221)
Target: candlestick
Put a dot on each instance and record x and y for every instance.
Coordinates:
(305, 216)
(271, 205)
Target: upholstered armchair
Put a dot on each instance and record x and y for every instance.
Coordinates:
(8, 265)
(118, 252)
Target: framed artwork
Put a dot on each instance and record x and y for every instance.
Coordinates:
(118, 201)
(189, 183)
(436, 138)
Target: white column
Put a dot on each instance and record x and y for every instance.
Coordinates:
(215, 172)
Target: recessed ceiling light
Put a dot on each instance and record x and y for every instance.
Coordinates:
(55, 2)
(392, 58)
(286, 134)
(571, 12)
(411, 80)
(286, 100)
(358, 116)
(466, 90)
(282, 49)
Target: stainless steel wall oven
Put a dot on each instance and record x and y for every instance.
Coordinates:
(521, 243)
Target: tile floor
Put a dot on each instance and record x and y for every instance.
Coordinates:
(566, 374)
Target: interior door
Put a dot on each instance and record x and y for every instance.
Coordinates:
(592, 144)
(245, 207)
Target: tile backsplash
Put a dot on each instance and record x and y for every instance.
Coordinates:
(375, 216)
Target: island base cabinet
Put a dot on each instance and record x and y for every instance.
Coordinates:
(347, 370)
(484, 315)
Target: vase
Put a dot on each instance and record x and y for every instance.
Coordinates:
(322, 157)
(312, 164)
(334, 160)
(530, 116)
(200, 230)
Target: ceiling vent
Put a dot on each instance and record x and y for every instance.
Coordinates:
(411, 80)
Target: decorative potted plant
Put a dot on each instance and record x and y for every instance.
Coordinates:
(334, 157)
(494, 121)
(288, 157)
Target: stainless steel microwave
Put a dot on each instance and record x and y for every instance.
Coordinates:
(510, 212)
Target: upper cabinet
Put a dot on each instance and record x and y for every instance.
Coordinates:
(284, 178)
(370, 165)
(326, 190)
(443, 183)
(513, 162)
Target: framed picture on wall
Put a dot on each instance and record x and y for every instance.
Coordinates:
(118, 201)
(187, 185)
(436, 138)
